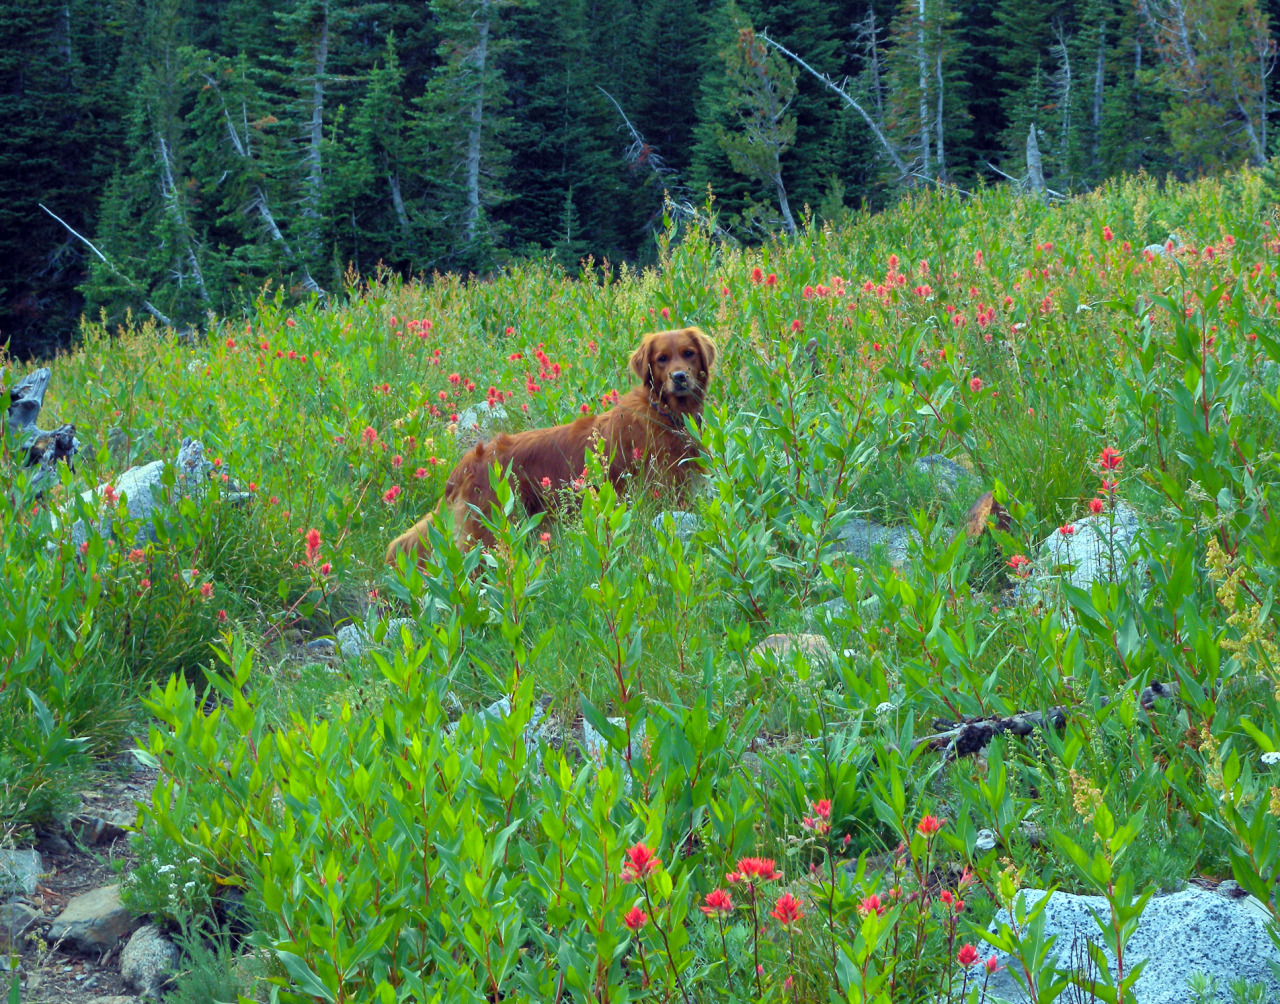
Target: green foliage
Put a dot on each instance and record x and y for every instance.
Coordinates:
(376, 833)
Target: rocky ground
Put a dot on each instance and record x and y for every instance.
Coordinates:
(61, 921)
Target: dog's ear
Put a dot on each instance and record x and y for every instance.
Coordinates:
(705, 346)
(640, 361)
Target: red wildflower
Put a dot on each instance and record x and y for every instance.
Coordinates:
(787, 910)
(544, 537)
(545, 482)
(137, 554)
(392, 493)
(313, 544)
(1110, 459)
(771, 279)
(797, 325)
(871, 904)
(144, 584)
(421, 472)
(222, 617)
(751, 870)
(1107, 235)
(991, 964)
(326, 568)
(641, 862)
(1067, 530)
(370, 434)
(930, 825)
(1017, 563)
(757, 275)
(1096, 506)
(666, 313)
(975, 384)
(967, 955)
(718, 902)
(206, 590)
(636, 919)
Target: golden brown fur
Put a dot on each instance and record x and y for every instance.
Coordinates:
(644, 431)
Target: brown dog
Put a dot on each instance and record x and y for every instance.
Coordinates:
(645, 430)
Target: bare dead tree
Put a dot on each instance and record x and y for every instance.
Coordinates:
(1061, 83)
(642, 156)
(315, 128)
(173, 206)
(258, 199)
(479, 58)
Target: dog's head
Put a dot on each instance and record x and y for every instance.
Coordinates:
(676, 366)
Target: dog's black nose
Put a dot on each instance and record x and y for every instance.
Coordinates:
(680, 378)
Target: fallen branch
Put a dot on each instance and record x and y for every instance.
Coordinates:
(150, 308)
(971, 735)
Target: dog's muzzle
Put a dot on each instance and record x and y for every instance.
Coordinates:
(681, 382)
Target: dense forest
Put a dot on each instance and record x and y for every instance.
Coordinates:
(208, 148)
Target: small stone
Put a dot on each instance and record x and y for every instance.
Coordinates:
(813, 646)
(321, 648)
(354, 640)
(16, 918)
(93, 829)
(148, 960)
(55, 843)
(93, 922)
(478, 422)
(986, 841)
(20, 870)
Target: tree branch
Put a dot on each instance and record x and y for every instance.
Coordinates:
(147, 305)
(848, 99)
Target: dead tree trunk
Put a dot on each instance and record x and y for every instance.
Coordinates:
(1035, 166)
(315, 130)
(471, 218)
(922, 67)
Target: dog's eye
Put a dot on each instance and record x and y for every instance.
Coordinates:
(662, 358)
(688, 353)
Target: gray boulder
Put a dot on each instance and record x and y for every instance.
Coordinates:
(19, 871)
(479, 422)
(93, 922)
(143, 492)
(1100, 548)
(944, 472)
(1180, 935)
(148, 960)
(858, 538)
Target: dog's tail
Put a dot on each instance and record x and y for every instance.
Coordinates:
(413, 542)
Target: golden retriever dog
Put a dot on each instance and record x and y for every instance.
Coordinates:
(645, 431)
